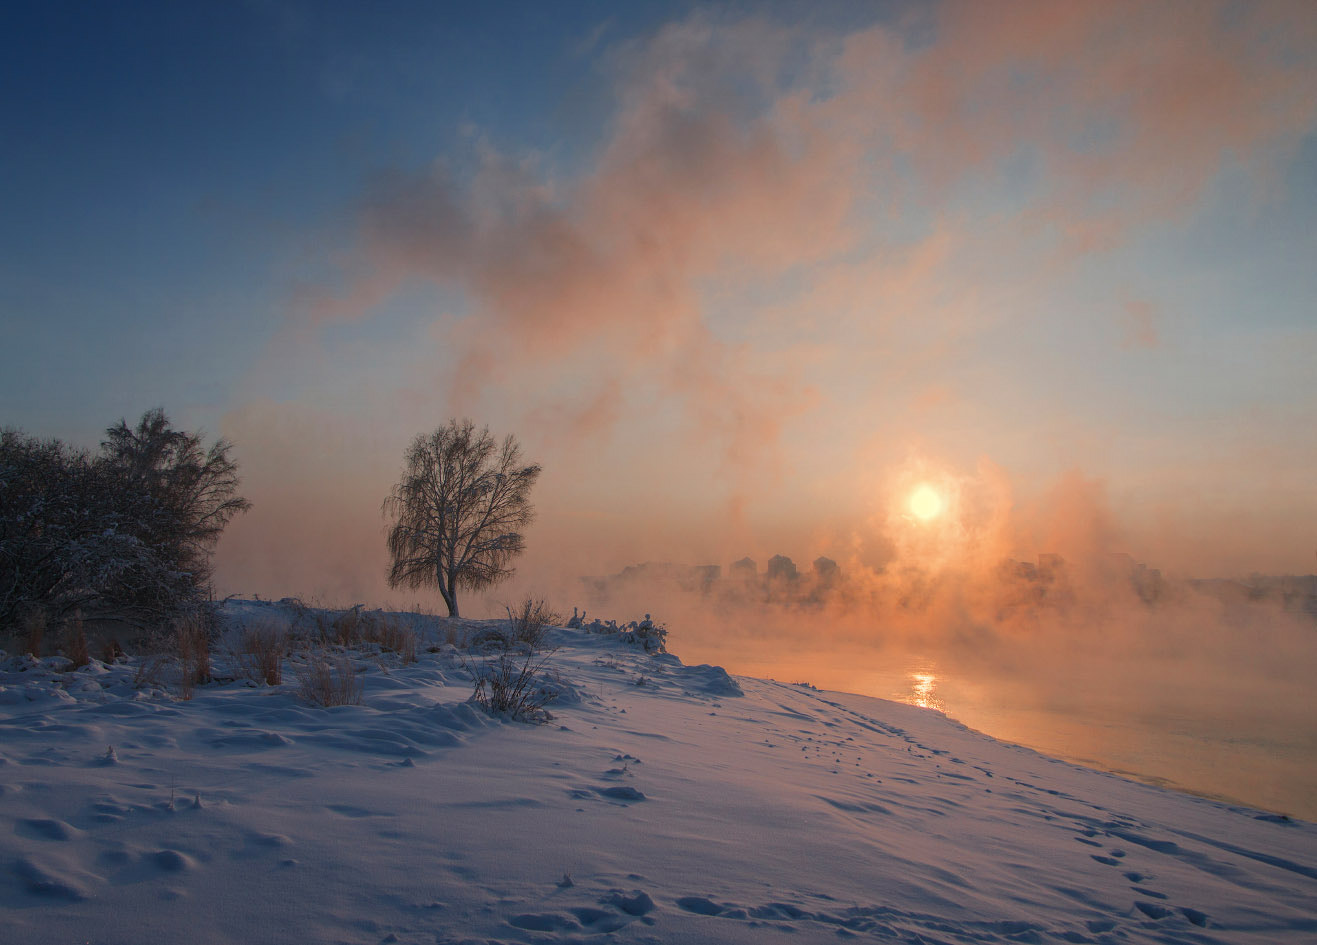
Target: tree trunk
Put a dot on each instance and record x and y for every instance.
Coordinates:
(448, 590)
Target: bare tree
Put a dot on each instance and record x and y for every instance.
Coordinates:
(458, 511)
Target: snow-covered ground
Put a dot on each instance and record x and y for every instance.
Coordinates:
(663, 803)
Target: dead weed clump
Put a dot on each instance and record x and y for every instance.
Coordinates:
(392, 637)
(355, 627)
(513, 683)
(75, 641)
(529, 623)
(260, 653)
(329, 681)
(192, 648)
(153, 658)
(111, 650)
(33, 628)
(345, 630)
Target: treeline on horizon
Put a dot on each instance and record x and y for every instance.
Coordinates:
(1050, 582)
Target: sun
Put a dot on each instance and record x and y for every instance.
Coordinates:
(925, 503)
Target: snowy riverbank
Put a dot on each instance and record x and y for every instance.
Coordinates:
(663, 803)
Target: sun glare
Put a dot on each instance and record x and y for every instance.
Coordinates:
(925, 503)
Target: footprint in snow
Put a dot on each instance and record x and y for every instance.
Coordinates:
(625, 908)
(701, 905)
(48, 883)
(599, 920)
(1152, 910)
(620, 792)
(544, 922)
(170, 861)
(638, 903)
(347, 810)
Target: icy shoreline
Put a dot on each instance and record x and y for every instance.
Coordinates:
(663, 803)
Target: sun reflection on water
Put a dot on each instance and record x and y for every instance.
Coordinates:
(923, 691)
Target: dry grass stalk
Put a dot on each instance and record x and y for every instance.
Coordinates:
(261, 652)
(34, 630)
(391, 636)
(75, 641)
(111, 650)
(150, 670)
(192, 644)
(346, 629)
(354, 627)
(328, 682)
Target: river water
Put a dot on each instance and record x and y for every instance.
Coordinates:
(1222, 757)
(1223, 749)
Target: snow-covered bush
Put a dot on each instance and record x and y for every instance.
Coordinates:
(488, 639)
(511, 680)
(67, 537)
(125, 533)
(645, 633)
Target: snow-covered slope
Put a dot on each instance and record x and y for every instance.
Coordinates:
(663, 803)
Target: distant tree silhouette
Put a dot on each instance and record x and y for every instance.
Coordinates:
(458, 511)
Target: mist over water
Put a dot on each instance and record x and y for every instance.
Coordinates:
(1015, 614)
(1205, 687)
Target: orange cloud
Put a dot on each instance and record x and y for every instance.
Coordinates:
(785, 228)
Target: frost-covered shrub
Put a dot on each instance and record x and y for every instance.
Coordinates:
(488, 639)
(513, 683)
(645, 633)
(512, 680)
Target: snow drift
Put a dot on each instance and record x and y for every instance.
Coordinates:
(662, 803)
